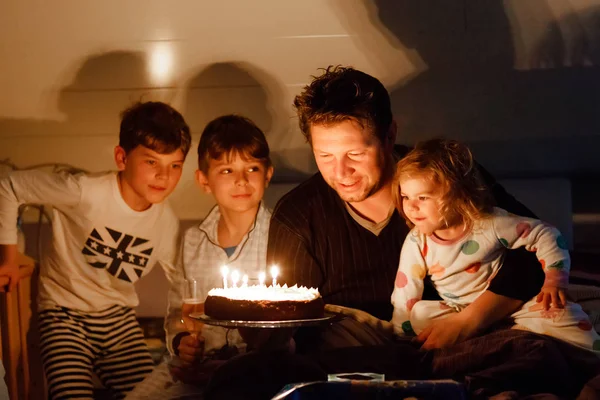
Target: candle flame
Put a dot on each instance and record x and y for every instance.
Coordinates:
(235, 276)
(274, 271)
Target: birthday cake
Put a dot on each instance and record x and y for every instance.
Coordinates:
(262, 303)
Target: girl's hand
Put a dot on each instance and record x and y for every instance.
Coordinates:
(552, 296)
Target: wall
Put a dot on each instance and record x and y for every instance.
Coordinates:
(515, 79)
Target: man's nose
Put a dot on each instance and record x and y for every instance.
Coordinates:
(343, 168)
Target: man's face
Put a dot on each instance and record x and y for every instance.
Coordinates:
(148, 177)
(351, 159)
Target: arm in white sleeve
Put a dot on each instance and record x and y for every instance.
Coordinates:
(34, 187)
(408, 287)
(514, 231)
(173, 320)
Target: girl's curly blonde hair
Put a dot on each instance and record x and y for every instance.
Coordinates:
(449, 164)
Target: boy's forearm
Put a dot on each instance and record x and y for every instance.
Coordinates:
(488, 309)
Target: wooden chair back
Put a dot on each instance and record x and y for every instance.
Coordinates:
(20, 337)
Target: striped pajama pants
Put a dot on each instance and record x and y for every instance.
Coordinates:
(109, 343)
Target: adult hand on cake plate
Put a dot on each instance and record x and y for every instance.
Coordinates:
(269, 338)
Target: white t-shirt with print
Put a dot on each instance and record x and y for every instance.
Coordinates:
(100, 246)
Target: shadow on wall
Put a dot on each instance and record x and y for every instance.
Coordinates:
(104, 86)
(91, 101)
(520, 123)
(244, 89)
(101, 87)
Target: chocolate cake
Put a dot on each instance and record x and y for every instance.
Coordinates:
(261, 303)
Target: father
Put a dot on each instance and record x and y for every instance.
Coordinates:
(339, 230)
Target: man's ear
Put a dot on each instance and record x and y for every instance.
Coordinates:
(120, 158)
(202, 181)
(269, 176)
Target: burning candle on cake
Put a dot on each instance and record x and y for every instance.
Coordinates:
(235, 277)
(224, 272)
(245, 280)
(274, 273)
(261, 278)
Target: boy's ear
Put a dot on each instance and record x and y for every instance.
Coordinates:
(202, 181)
(120, 158)
(269, 176)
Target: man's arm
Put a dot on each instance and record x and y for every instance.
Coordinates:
(473, 320)
(289, 250)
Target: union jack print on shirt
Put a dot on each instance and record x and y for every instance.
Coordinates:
(122, 255)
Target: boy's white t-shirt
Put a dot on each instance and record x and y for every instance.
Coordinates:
(100, 246)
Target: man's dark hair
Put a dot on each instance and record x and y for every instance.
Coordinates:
(344, 93)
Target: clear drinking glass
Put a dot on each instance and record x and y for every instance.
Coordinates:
(193, 302)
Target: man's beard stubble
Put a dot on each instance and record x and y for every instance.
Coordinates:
(388, 169)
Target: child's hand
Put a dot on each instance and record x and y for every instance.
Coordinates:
(191, 350)
(552, 296)
(11, 271)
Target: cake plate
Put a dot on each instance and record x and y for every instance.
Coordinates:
(293, 323)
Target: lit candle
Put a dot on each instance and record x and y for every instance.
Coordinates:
(244, 280)
(274, 273)
(261, 278)
(224, 272)
(235, 277)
